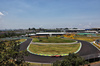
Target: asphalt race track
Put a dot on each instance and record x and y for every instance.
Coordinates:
(86, 49)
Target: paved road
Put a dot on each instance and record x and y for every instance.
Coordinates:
(86, 49)
(36, 58)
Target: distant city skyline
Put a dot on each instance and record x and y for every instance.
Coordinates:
(24, 14)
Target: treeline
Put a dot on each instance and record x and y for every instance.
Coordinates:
(45, 30)
(72, 60)
(10, 54)
(9, 34)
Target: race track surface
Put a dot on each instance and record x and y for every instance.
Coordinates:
(86, 49)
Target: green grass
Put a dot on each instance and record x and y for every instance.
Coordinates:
(98, 34)
(21, 40)
(85, 38)
(53, 48)
(53, 40)
(35, 40)
(39, 64)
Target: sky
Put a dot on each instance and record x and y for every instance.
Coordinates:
(24, 14)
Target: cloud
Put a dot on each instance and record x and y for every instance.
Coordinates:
(1, 14)
(5, 12)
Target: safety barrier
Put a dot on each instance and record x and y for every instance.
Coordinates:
(96, 45)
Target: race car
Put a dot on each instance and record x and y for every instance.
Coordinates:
(56, 56)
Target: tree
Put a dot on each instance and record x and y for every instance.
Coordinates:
(8, 34)
(10, 54)
(33, 29)
(29, 28)
(75, 28)
(57, 63)
(67, 28)
(71, 60)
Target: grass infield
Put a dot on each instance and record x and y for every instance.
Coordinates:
(53, 40)
(53, 49)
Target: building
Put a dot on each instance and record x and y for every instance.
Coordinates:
(50, 33)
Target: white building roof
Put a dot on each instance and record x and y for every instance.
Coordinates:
(52, 33)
